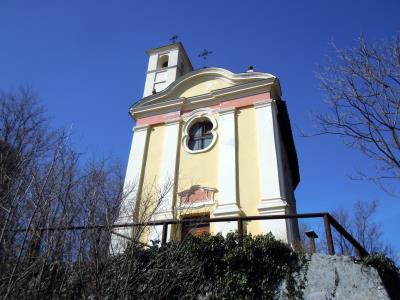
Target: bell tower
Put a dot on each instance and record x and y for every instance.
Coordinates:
(166, 64)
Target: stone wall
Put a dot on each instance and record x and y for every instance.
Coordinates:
(340, 277)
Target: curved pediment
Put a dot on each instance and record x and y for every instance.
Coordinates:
(203, 81)
(201, 85)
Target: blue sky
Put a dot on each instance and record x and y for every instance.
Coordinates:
(86, 60)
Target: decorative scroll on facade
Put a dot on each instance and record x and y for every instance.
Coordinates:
(197, 196)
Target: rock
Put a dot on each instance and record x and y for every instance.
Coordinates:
(340, 277)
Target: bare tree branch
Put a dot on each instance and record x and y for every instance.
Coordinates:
(362, 88)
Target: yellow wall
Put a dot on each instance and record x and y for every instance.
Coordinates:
(247, 167)
(153, 160)
(202, 168)
(203, 86)
(198, 168)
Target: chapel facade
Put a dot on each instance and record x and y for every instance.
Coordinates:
(209, 143)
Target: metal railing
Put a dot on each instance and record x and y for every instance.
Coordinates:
(328, 220)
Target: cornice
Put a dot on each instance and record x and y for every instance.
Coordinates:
(264, 103)
(164, 48)
(140, 128)
(227, 111)
(172, 121)
(162, 70)
(235, 78)
(208, 99)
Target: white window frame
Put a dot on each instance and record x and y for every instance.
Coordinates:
(198, 116)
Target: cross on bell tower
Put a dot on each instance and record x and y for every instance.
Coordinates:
(174, 38)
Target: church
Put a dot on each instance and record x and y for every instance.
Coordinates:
(208, 143)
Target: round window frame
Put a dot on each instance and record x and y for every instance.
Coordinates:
(199, 117)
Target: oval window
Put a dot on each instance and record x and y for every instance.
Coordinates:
(200, 135)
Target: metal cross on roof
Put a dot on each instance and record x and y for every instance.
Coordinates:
(204, 55)
(174, 38)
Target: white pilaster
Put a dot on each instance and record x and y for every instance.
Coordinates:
(167, 177)
(132, 184)
(227, 203)
(271, 174)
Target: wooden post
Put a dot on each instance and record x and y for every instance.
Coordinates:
(240, 227)
(312, 236)
(328, 233)
(164, 234)
(358, 249)
(312, 245)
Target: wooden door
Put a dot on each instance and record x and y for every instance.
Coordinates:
(196, 226)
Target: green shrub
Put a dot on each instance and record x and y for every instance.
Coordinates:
(208, 267)
(244, 268)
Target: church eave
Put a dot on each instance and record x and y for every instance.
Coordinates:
(236, 78)
(165, 105)
(249, 83)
